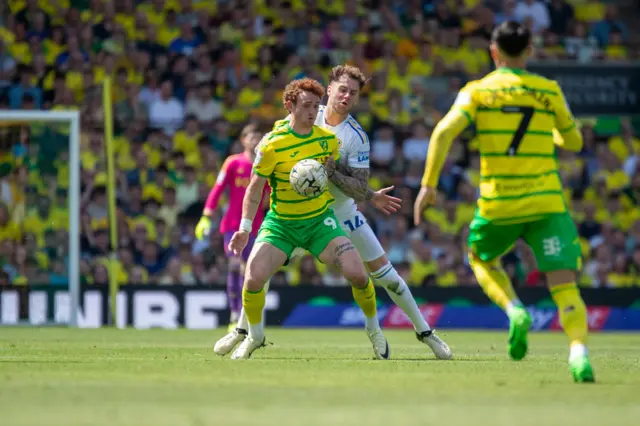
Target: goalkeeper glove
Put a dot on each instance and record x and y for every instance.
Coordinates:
(203, 227)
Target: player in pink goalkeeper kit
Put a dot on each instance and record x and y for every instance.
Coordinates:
(234, 176)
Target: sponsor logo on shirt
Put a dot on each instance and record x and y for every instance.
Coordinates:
(363, 156)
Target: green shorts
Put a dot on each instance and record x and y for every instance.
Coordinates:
(553, 239)
(312, 234)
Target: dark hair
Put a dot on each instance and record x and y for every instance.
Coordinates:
(512, 38)
(248, 129)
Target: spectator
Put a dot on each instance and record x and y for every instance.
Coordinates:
(8, 230)
(100, 275)
(560, 16)
(186, 141)
(308, 272)
(508, 12)
(280, 51)
(7, 67)
(417, 145)
(142, 173)
(151, 259)
(446, 18)
(444, 101)
(30, 15)
(175, 275)
(423, 267)
(226, 68)
(187, 42)
(398, 241)
(609, 24)
(187, 13)
(590, 11)
(535, 10)
(578, 46)
(205, 72)
(187, 191)
(383, 147)
(23, 88)
(166, 113)
(131, 108)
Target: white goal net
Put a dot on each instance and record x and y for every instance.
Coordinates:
(40, 218)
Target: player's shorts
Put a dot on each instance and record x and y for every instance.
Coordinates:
(313, 234)
(553, 239)
(355, 225)
(247, 249)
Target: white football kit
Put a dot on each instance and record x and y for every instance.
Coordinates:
(355, 151)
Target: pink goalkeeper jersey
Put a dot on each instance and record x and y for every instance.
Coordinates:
(235, 174)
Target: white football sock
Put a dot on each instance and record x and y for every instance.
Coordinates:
(256, 332)
(243, 322)
(388, 278)
(516, 303)
(577, 350)
(371, 324)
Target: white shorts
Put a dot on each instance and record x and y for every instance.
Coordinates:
(355, 225)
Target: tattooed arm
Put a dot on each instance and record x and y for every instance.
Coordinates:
(353, 181)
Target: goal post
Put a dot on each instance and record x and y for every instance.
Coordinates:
(73, 120)
(114, 287)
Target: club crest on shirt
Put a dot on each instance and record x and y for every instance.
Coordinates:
(324, 144)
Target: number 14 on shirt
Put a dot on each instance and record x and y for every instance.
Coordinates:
(355, 224)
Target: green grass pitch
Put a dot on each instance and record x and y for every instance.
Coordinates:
(52, 376)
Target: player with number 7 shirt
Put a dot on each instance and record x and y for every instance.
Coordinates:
(520, 118)
(294, 220)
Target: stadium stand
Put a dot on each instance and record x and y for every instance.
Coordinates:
(188, 74)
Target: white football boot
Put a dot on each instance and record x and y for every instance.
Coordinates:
(229, 341)
(247, 347)
(380, 344)
(438, 346)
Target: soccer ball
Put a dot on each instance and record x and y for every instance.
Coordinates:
(308, 178)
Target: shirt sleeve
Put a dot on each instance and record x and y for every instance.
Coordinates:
(443, 135)
(224, 177)
(265, 163)
(358, 149)
(466, 103)
(567, 134)
(564, 118)
(335, 151)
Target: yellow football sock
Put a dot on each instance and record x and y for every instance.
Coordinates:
(494, 281)
(366, 299)
(253, 304)
(572, 311)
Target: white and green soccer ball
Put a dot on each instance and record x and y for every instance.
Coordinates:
(308, 178)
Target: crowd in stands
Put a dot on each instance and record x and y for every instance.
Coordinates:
(188, 74)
